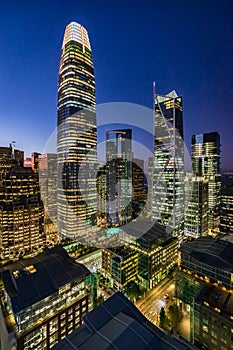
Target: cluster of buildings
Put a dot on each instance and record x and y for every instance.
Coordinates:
(47, 303)
(185, 220)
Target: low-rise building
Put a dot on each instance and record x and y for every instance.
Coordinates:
(213, 319)
(157, 251)
(206, 265)
(121, 265)
(43, 299)
(209, 259)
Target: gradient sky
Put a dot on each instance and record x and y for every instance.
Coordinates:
(182, 45)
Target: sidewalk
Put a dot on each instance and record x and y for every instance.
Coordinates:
(184, 328)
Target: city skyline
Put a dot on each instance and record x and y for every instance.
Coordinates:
(122, 214)
(199, 67)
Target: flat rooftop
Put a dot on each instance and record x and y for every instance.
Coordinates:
(147, 230)
(30, 281)
(122, 251)
(219, 300)
(214, 252)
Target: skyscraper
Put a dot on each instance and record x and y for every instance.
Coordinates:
(150, 192)
(168, 177)
(8, 159)
(226, 220)
(47, 170)
(196, 215)
(206, 163)
(119, 176)
(76, 139)
(21, 213)
(21, 208)
(138, 196)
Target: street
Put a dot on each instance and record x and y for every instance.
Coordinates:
(154, 300)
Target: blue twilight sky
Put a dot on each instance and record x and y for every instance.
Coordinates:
(182, 45)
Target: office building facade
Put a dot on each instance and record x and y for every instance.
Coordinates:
(21, 213)
(47, 170)
(138, 195)
(9, 157)
(120, 265)
(226, 209)
(157, 252)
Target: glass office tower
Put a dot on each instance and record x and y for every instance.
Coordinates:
(168, 177)
(76, 138)
(196, 215)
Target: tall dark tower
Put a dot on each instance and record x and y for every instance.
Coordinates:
(118, 176)
(76, 139)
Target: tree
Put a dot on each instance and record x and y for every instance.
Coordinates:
(162, 318)
(175, 316)
(100, 299)
(132, 291)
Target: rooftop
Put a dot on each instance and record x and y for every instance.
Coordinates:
(147, 230)
(211, 251)
(122, 251)
(30, 281)
(217, 299)
(118, 324)
(227, 190)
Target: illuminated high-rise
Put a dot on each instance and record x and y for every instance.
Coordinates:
(21, 213)
(206, 163)
(168, 177)
(76, 139)
(226, 219)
